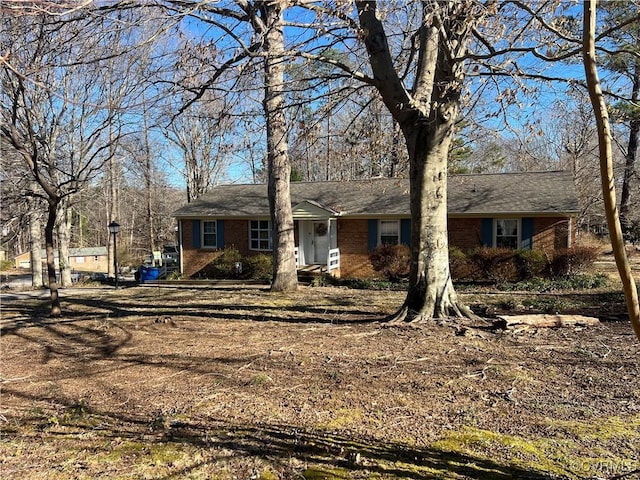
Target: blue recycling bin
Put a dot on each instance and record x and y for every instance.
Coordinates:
(148, 274)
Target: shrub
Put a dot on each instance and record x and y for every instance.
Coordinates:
(6, 265)
(392, 261)
(494, 264)
(224, 266)
(574, 260)
(632, 234)
(531, 263)
(258, 267)
(459, 264)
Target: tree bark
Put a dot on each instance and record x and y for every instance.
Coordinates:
(49, 228)
(35, 231)
(285, 276)
(63, 244)
(606, 164)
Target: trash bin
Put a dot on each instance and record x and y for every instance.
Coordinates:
(148, 274)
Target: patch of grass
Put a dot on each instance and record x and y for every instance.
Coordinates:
(325, 473)
(267, 475)
(547, 304)
(571, 282)
(344, 418)
(76, 415)
(606, 429)
(557, 455)
(261, 379)
(364, 284)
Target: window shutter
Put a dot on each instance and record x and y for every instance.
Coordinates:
(220, 233)
(527, 233)
(487, 232)
(372, 238)
(405, 231)
(196, 233)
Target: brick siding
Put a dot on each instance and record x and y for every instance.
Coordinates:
(550, 233)
(465, 233)
(353, 245)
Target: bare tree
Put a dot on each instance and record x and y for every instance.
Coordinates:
(426, 113)
(50, 116)
(606, 164)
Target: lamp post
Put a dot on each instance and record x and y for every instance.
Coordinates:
(114, 228)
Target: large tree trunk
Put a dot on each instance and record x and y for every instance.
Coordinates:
(35, 231)
(431, 293)
(630, 157)
(284, 265)
(63, 244)
(51, 265)
(606, 164)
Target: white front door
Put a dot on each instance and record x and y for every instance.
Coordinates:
(320, 242)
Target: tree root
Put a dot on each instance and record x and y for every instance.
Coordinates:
(407, 315)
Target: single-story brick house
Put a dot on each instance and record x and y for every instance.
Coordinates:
(338, 223)
(86, 259)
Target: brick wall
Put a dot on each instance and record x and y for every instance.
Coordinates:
(194, 259)
(236, 234)
(549, 234)
(465, 233)
(352, 241)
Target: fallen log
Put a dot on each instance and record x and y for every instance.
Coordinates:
(545, 321)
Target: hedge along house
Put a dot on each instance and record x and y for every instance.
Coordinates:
(337, 224)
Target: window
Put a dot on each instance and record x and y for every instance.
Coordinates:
(259, 235)
(209, 234)
(79, 259)
(507, 233)
(389, 232)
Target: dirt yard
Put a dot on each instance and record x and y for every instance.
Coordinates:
(240, 383)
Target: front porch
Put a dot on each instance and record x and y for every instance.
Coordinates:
(316, 230)
(331, 264)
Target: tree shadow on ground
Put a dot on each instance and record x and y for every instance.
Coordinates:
(317, 452)
(77, 308)
(352, 454)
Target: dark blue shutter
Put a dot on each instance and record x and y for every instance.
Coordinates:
(405, 231)
(196, 233)
(220, 233)
(372, 238)
(527, 233)
(487, 232)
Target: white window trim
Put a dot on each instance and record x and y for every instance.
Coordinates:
(202, 233)
(495, 231)
(397, 221)
(269, 229)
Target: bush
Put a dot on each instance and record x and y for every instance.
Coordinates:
(224, 266)
(392, 261)
(572, 261)
(632, 234)
(6, 265)
(531, 264)
(494, 264)
(459, 265)
(258, 267)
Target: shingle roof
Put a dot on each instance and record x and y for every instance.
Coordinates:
(480, 194)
